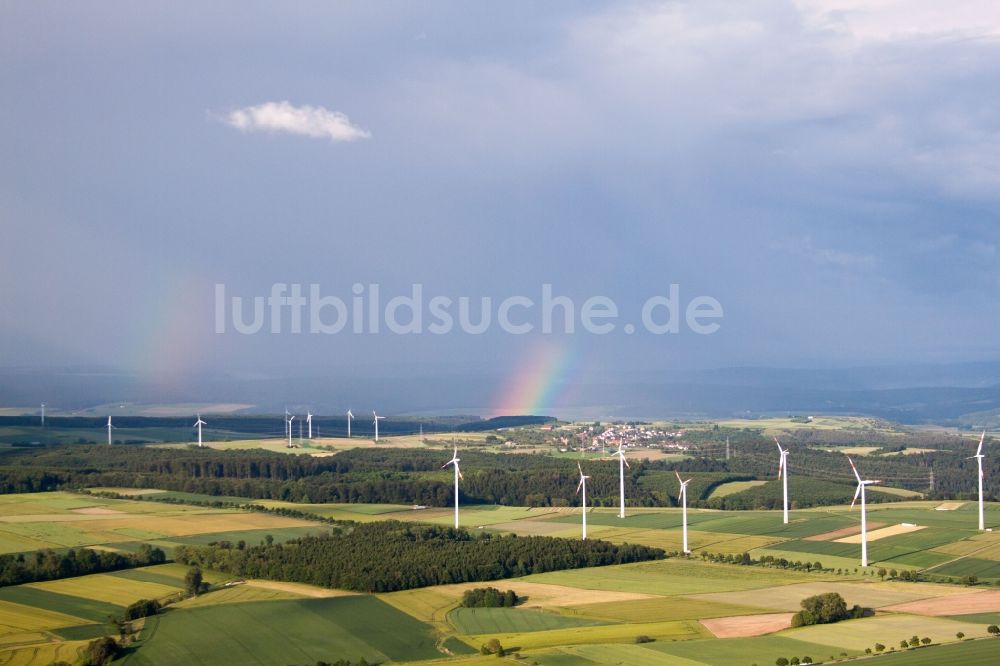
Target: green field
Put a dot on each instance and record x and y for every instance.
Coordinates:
(282, 632)
(511, 620)
(967, 652)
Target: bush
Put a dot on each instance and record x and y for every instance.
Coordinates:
(925, 641)
(101, 651)
(781, 661)
(642, 638)
(879, 647)
(960, 635)
(993, 629)
(142, 608)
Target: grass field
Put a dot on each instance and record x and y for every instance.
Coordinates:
(966, 652)
(733, 487)
(512, 620)
(285, 631)
(610, 633)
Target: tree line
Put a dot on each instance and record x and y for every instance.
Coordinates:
(51, 565)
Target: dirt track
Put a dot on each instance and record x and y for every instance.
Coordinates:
(843, 532)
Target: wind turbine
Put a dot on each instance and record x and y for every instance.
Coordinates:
(288, 423)
(43, 414)
(349, 417)
(458, 475)
(979, 460)
(783, 476)
(309, 423)
(684, 507)
(583, 485)
(864, 525)
(109, 429)
(198, 424)
(622, 464)
(377, 417)
(291, 418)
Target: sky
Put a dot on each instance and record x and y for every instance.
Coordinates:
(827, 173)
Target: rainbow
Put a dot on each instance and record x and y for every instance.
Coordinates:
(538, 383)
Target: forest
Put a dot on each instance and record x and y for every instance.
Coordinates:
(386, 556)
(414, 476)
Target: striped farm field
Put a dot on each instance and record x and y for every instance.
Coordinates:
(968, 566)
(281, 632)
(608, 633)
(885, 629)
(512, 620)
(867, 594)
(966, 652)
(733, 487)
(86, 609)
(236, 594)
(661, 608)
(19, 618)
(106, 588)
(43, 654)
(671, 577)
(762, 650)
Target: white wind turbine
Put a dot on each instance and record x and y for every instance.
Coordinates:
(288, 423)
(783, 476)
(864, 524)
(43, 414)
(458, 475)
(109, 429)
(309, 423)
(583, 485)
(349, 417)
(198, 424)
(377, 418)
(979, 460)
(291, 418)
(622, 464)
(684, 508)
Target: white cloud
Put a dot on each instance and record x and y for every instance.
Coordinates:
(313, 121)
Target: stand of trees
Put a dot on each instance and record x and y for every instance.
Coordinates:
(824, 609)
(51, 565)
(489, 597)
(389, 555)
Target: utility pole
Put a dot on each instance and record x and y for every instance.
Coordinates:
(932, 480)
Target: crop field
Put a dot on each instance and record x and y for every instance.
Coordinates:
(512, 620)
(679, 630)
(966, 652)
(885, 629)
(733, 487)
(285, 631)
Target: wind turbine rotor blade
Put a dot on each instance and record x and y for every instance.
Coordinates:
(678, 477)
(579, 485)
(626, 462)
(854, 469)
(856, 493)
(979, 449)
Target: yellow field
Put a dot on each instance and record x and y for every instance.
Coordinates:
(734, 487)
(875, 535)
(17, 618)
(236, 594)
(43, 655)
(661, 608)
(104, 587)
(887, 629)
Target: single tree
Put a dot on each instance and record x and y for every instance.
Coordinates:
(192, 581)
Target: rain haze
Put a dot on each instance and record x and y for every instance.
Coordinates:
(816, 183)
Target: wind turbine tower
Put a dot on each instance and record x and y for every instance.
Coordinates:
(458, 475)
(291, 418)
(109, 429)
(377, 418)
(198, 424)
(349, 417)
(684, 508)
(622, 464)
(864, 524)
(583, 486)
(783, 476)
(43, 414)
(979, 461)
(309, 423)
